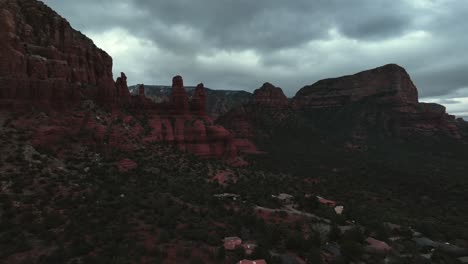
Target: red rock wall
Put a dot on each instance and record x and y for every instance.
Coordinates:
(387, 84)
(44, 62)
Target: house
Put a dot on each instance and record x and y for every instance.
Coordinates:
(345, 228)
(424, 242)
(333, 248)
(249, 247)
(230, 243)
(377, 246)
(227, 196)
(284, 198)
(331, 251)
(339, 209)
(312, 180)
(289, 259)
(258, 261)
(326, 201)
(392, 227)
(453, 250)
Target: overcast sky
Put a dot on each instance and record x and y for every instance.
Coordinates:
(240, 44)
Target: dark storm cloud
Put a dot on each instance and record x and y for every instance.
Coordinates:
(242, 43)
(377, 27)
(444, 80)
(242, 24)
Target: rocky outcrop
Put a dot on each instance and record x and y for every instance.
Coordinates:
(45, 63)
(269, 95)
(462, 126)
(427, 119)
(389, 84)
(179, 97)
(141, 90)
(198, 136)
(198, 102)
(121, 89)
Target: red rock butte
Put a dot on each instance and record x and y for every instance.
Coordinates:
(269, 95)
(387, 84)
(391, 89)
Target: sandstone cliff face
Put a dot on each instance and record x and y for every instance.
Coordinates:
(44, 62)
(269, 95)
(387, 101)
(387, 84)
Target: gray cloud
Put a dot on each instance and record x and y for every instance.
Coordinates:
(243, 24)
(449, 101)
(239, 44)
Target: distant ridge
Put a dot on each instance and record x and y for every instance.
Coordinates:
(219, 102)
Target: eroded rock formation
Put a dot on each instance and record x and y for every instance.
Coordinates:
(122, 93)
(45, 63)
(198, 102)
(269, 95)
(179, 97)
(141, 90)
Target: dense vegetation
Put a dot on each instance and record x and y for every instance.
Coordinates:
(418, 181)
(77, 207)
